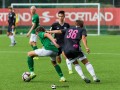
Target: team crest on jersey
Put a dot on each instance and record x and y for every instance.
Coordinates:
(65, 27)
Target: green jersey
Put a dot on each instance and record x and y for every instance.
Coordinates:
(35, 19)
(48, 45)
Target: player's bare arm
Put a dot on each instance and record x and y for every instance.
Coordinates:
(55, 31)
(84, 40)
(33, 26)
(52, 39)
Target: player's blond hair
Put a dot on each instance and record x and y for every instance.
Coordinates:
(33, 7)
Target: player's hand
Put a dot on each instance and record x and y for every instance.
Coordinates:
(47, 31)
(28, 34)
(88, 50)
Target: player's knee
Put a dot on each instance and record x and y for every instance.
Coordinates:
(54, 63)
(11, 33)
(75, 62)
(8, 34)
(34, 43)
(30, 43)
(85, 61)
(29, 54)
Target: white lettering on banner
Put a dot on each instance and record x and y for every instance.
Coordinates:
(72, 16)
(88, 16)
(94, 18)
(108, 16)
(3, 16)
(25, 17)
(111, 16)
(46, 16)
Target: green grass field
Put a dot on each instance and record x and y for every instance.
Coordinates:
(104, 56)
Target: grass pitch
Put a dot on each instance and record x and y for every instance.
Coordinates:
(104, 56)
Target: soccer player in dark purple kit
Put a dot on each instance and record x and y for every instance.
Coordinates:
(11, 25)
(72, 49)
(61, 24)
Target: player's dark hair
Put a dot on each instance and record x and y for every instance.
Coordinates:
(61, 12)
(40, 29)
(79, 23)
(9, 7)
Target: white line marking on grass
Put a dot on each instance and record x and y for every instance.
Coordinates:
(106, 53)
(12, 52)
(15, 35)
(90, 53)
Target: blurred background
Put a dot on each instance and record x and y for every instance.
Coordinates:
(112, 3)
(109, 14)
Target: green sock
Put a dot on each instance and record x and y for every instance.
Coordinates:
(59, 71)
(35, 47)
(30, 64)
(32, 46)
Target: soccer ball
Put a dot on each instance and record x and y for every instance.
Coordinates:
(53, 86)
(25, 76)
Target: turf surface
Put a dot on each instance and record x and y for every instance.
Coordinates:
(104, 56)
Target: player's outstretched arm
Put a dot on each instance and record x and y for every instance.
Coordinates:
(54, 31)
(52, 39)
(33, 26)
(84, 40)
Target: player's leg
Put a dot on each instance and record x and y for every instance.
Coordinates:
(58, 69)
(14, 32)
(33, 40)
(68, 63)
(13, 37)
(58, 57)
(80, 72)
(30, 62)
(32, 54)
(89, 68)
(10, 35)
(52, 54)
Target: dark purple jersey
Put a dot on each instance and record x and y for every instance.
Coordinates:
(59, 37)
(11, 18)
(72, 41)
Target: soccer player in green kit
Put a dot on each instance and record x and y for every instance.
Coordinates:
(35, 24)
(49, 49)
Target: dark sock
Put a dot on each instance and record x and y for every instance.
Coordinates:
(32, 46)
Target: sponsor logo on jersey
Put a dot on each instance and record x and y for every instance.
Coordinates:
(58, 28)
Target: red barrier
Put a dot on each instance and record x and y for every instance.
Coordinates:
(108, 16)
